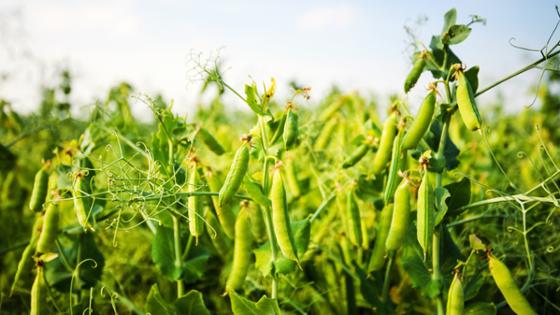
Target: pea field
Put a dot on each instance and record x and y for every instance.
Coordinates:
(343, 204)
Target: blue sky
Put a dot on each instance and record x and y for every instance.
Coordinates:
(359, 45)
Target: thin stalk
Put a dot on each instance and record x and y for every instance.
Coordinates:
(518, 72)
(266, 210)
(178, 254)
(386, 279)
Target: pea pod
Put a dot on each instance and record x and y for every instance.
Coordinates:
(400, 218)
(279, 131)
(384, 223)
(385, 144)
(291, 177)
(26, 260)
(226, 217)
(325, 134)
(236, 173)
(354, 219)
(290, 129)
(242, 249)
(455, 297)
(394, 167)
(82, 201)
(281, 218)
(210, 141)
(194, 204)
(47, 239)
(425, 212)
(505, 282)
(356, 155)
(414, 74)
(466, 103)
(39, 192)
(38, 294)
(421, 123)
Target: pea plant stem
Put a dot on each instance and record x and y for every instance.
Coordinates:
(518, 72)
(266, 210)
(178, 254)
(436, 272)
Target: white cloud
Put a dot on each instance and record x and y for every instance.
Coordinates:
(335, 17)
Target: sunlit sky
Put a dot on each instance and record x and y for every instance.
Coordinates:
(358, 45)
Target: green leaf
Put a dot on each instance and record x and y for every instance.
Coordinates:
(472, 76)
(413, 264)
(191, 304)
(441, 196)
(263, 259)
(255, 192)
(302, 231)
(481, 308)
(283, 265)
(252, 99)
(194, 268)
(243, 306)
(475, 243)
(473, 285)
(449, 19)
(155, 303)
(460, 195)
(456, 34)
(163, 253)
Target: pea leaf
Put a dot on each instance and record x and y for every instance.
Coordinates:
(263, 259)
(481, 308)
(460, 195)
(413, 264)
(163, 253)
(156, 304)
(449, 19)
(456, 34)
(251, 98)
(441, 196)
(254, 191)
(302, 231)
(191, 304)
(472, 76)
(243, 306)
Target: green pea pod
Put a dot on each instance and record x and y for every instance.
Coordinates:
(425, 213)
(49, 231)
(39, 192)
(291, 177)
(290, 129)
(399, 221)
(258, 225)
(455, 297)
(325, 134)
(38, 294)
(394, 167)
(210, 141)
(82, 201)
(280, 217)
(26, 260)
(414, 74)
(386, 143)
(421, 123)
(506, 284)
(356, 155)
(235, 175)
(194, 204)
(354, 219)
(217, 236)
(226, 217)
(332, 109)
(242, 250)
(384, 223)
(279, 131)
(466, 103)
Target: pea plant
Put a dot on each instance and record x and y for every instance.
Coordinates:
(285, 208)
